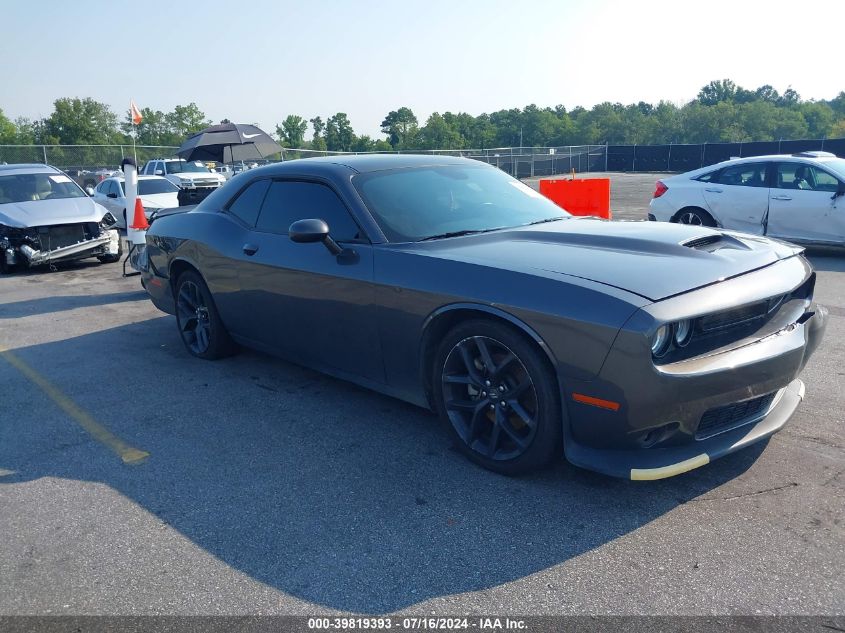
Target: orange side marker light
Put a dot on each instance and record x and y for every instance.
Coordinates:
(596, 402)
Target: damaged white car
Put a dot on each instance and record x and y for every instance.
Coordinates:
(45, 217)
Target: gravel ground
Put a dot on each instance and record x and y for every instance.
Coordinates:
(272, 489)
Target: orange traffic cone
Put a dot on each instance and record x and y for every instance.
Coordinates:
(139, 221)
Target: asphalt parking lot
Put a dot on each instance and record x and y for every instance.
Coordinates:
(135, 479)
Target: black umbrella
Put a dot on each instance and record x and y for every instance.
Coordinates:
(228, 143)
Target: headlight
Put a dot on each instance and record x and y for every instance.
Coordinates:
(683, 332)
(108, 220)
(661, 340)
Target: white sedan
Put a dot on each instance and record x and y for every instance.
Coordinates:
(155, 193)
(799, 198)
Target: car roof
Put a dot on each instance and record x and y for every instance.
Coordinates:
(28, 168)
(800, 157)
(363, 163)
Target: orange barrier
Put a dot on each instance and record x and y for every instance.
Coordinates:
(588, 196)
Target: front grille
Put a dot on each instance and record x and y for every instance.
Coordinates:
(731, 416)
(732, 318)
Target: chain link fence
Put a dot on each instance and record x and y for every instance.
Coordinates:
(82, 157)
(521, 162)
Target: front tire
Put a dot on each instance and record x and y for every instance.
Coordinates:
(200, 326)
(111, 259)
(498, 397)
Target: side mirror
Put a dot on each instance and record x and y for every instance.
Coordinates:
(159, 172)
(313, 230)
(89, 190)
(111, 195)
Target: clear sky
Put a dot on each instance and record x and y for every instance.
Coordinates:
(258, 61)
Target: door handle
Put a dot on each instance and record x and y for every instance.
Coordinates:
(781, 198)
(250, 249)
(713, 190)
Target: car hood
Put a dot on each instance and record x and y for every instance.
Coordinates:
(654, 260)
(47, 212)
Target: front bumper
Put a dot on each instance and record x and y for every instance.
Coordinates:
(105, 244)
(661, 420)
(659, 463)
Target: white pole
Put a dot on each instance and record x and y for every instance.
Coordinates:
(130, 176)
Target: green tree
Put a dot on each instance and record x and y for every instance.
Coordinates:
(438, 134)
(838, 104)
(837, 130)
(292, 131)
(318, 142)
(363, 143)
(717, 92)
(27, 132)
(186, 120)
(401, 127)
(339, 134)
(154, 128)
(790, 97)
(8, 130)
(77, 121)
(819, 117)
(767, 93)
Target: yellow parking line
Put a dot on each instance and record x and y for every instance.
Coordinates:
(129, 454)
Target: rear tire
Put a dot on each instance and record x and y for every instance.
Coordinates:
(694, 217)
(200, 327)
(498, 398)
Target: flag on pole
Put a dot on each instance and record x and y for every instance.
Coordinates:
(135, 113)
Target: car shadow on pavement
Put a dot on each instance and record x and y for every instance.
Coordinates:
(325, 491)
(60, 303)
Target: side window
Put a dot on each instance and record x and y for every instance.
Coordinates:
(289, 200)
(248, 203)
(744, 175)
(103, 187)
(708, 177)
(823, 181)
(806, 177)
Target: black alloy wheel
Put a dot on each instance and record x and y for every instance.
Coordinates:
(695, 217)
(499, 399)
(199, 324)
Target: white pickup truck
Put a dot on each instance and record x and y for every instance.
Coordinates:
(194, 179)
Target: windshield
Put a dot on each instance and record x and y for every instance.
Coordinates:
(176, 166)
(29, 187)
(425, 202)
(152, 186)
(836, 165)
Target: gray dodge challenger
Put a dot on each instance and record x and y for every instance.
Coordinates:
(635, 349)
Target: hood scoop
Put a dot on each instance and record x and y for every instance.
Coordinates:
(712, 243)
